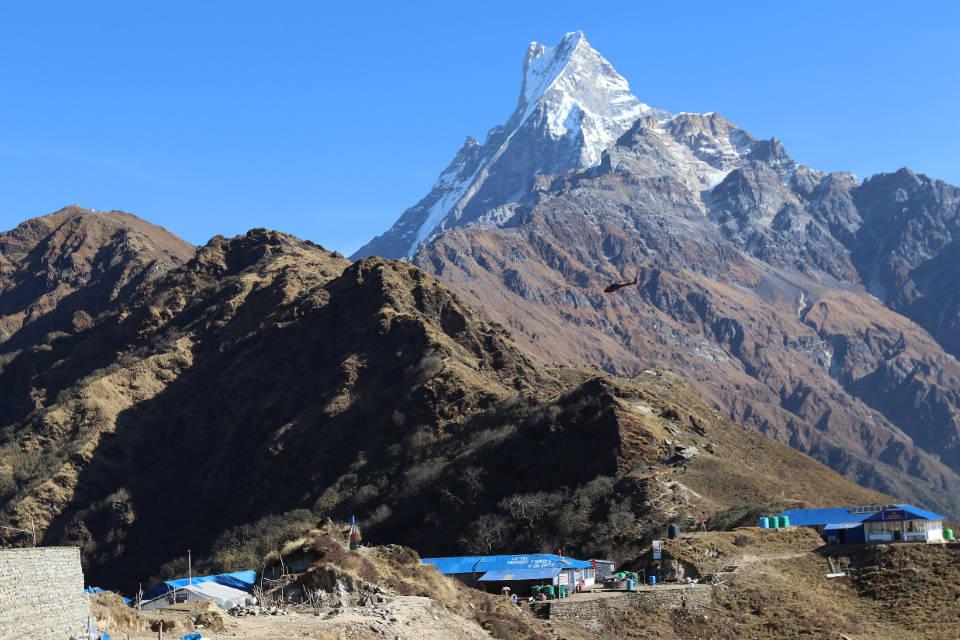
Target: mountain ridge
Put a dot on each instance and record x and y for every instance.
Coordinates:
(747, 259)
(58, 270)
(387, 397)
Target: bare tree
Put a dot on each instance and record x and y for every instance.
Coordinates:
(487, 533)
(529, 508)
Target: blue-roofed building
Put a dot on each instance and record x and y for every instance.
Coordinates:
(519, 572)
(241, 580)
(871, 523)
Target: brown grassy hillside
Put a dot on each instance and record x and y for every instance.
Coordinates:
(268, 384)
(59, 271)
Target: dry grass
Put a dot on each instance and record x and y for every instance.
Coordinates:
(780, 590)
(398, 570)
(110, 612)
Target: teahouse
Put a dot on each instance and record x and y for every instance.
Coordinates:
(871, 523)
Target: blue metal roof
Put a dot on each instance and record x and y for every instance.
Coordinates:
(908, 512)
(506, 575)
(243, 580)
(483, 564)
(820, 517)
(854, 515)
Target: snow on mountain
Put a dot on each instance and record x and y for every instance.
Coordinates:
(578, 92)
(572, 106)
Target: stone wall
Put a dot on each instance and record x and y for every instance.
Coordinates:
(41, 593)
(585, 609)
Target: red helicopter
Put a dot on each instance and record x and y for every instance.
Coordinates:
(620, 285)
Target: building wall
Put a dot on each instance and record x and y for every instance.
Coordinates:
(904, 530)
(584, 610)
(41, 593)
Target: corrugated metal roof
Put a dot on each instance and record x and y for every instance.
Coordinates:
(506, 575)
(910, 513)
(483, 564)
(820, 517)
(854, 515)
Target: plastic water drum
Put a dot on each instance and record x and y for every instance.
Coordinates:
(764, 522)
(535, 591)
(651, 580)
(784, 522)
(948, 535)
(630, 585)
(774, 522)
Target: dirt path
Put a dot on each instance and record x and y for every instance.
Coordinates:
(403, 618)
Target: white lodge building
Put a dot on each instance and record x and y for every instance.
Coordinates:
(875, 523)
(903, 522)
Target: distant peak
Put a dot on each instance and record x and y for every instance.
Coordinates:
(570, 41)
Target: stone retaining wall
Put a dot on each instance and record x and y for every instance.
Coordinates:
(41, 593)
(587, 609)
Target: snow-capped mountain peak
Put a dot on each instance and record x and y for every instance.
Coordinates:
(573, 105)
(578, 92)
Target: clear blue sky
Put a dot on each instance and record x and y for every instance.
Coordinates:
(328, 119)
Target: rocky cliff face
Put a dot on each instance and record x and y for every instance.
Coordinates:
(813, 306)
(58, 271)
(267, 382)
(907, 246)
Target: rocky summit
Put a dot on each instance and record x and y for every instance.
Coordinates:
(813, 306)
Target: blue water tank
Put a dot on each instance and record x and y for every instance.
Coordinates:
(651, 580)
(764, 522)
(629, 585)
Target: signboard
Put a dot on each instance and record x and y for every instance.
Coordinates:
(893, 514)
(562, 578)
(657, 549)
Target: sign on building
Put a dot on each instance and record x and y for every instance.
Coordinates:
(657, 549)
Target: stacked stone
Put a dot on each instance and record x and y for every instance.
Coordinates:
(41, 593)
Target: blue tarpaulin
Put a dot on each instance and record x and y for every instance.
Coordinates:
(243, 580)
(484, 564)
(506, 575)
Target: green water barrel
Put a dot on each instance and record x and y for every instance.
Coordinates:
(784, 522)
(563, 591)
(774, 522)
(549, 590)
(948, 535)
(535, 591)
